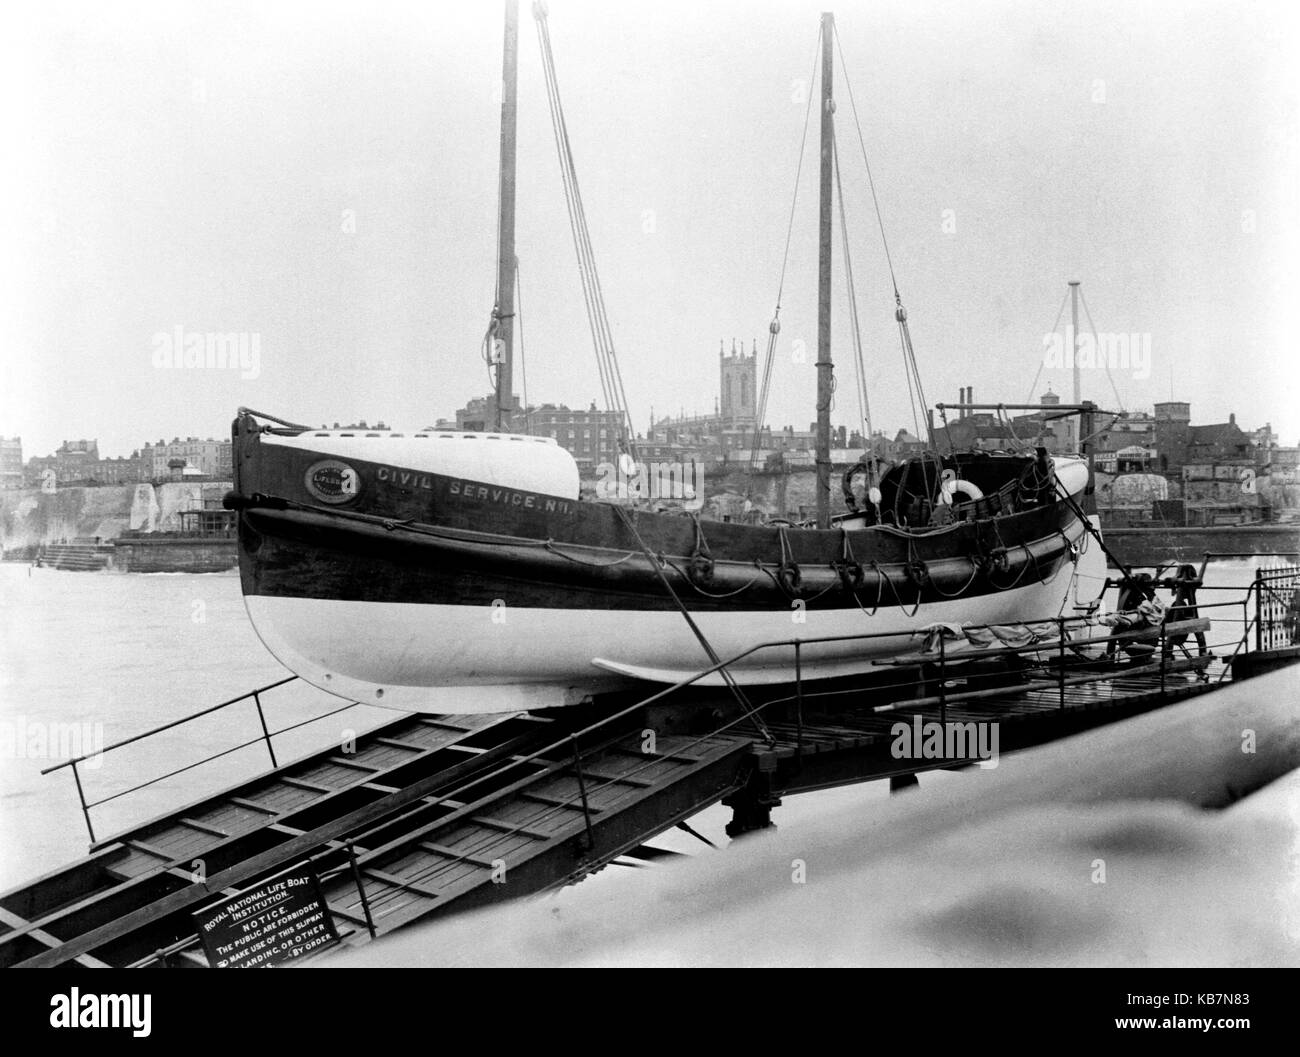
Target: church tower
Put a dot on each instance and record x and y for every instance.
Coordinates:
(738, 376)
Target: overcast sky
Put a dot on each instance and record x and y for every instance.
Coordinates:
(324, 176)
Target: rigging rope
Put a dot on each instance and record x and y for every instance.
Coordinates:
(488, 347)
(864, 403)
(900, 313)
(1029, 399)
(611, 378)
(774, 328)
(803, 142)
(853, 106)
(760, 409)
(523, 371)
(1043, 359)
(914, 373)
(1096, 344)
(726, 675)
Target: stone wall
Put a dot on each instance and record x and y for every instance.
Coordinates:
(184, 554)
(31, 517)
(1151, 546)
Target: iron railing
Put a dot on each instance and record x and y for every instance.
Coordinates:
(266, 738)
(941, 670)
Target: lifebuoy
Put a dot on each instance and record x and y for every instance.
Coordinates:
(951, 487)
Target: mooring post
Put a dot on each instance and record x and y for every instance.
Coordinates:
(900, 783)
(751, 805)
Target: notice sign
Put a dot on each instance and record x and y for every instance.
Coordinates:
(278, 920)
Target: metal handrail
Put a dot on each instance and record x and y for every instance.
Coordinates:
(573, 739)
(266, 738)
(798, 643)
(223, 752)
(173, 723)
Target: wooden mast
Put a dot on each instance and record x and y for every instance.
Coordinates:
(825, 367)
(1074, 350)
(505, 331)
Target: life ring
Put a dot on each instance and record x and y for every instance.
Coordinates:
(951, 487)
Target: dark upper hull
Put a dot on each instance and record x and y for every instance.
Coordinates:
(415, 536)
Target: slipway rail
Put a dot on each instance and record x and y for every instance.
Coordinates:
(427, 815)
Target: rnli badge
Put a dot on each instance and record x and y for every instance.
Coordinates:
(332, 481)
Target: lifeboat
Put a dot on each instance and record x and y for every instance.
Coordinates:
(384, 567)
